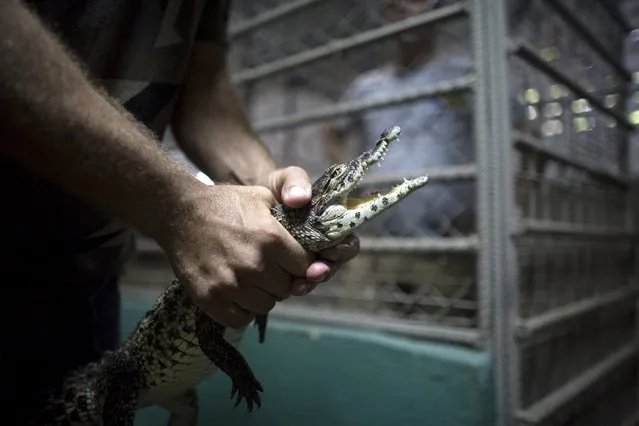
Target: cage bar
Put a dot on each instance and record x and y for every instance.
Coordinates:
(527, 53)
(528, 328)
(268, 17)
(569, 16)
(544, 408)
(360, 40)
(345, 108)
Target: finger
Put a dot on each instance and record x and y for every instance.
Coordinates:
(289, 254)
(302, 287)
(291, 186)
(255, 300)
(317, 271)
(334, 268)
(343, 252)
(213, 302)
(224, 311)
(261, 192)
(274, 281)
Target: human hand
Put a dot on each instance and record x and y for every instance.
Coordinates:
(292, 186)
(233, 256)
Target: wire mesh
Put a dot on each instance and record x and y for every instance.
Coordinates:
(608, 401)
(577, 298)
(328, 70)
(557, 270)
(550, 363)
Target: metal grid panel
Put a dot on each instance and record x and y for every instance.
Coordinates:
(549, 282)
(550, 362)
(575, 359)
(556, 271)
(566, 348)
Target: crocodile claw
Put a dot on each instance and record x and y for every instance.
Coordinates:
(248, 389)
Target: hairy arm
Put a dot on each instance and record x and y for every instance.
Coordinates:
(58, 125)
(209, 123)
(213, 130)
(211, 126)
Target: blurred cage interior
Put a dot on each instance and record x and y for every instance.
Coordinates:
(555, 297)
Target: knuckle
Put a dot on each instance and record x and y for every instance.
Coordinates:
(271, 234)
(225, 282)
(295, 170)
(201, 293)
(263, 192)
(255, 262)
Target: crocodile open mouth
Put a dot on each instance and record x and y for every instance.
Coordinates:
(348, 212)
(372, 157)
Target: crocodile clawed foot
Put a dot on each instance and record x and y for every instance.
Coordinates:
(247, 388)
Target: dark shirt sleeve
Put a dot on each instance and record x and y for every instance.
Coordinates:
(213, 24)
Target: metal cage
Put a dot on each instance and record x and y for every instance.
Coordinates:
(545, 279)
(539, 267)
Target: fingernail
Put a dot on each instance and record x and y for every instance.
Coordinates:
(319, 279)
(297, 191)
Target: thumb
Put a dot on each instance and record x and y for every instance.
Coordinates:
(291, 186)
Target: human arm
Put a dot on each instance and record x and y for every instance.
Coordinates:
(55, 123)
(58, 125)
(211, 127)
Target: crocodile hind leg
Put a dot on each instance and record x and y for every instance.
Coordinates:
(227, 358)
(183, 408)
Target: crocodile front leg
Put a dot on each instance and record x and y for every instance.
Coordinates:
(122, 379)
(211, 340)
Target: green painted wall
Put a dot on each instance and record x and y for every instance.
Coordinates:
(318, 376)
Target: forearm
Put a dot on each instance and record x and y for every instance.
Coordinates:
(55, 123)
(211, 127)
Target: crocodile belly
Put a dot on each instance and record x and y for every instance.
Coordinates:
(174, 372)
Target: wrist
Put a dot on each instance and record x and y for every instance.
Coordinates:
(166, 202)
(242, 167)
